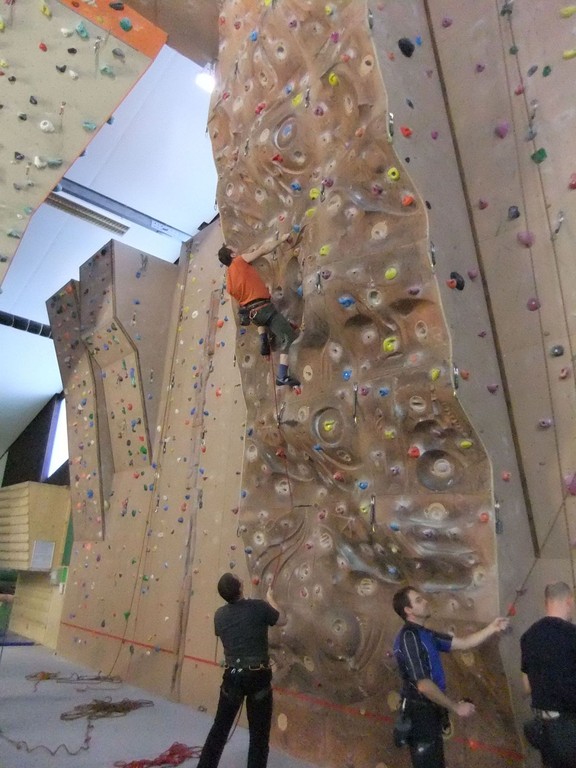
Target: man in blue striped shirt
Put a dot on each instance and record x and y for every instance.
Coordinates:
(417, 650)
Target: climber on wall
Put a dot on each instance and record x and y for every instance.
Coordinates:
(245, 285)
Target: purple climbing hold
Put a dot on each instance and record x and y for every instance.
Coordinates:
(502, 129)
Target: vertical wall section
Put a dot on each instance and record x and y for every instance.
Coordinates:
(375, 475)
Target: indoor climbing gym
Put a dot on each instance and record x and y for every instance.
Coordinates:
(287, 402)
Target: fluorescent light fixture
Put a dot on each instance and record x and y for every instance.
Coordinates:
(205, 80)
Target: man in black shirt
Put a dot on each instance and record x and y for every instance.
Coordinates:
(242, 626)
(549, 674)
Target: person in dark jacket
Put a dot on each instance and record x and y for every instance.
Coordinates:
(242, 626)
(549, 675)
(417, 650)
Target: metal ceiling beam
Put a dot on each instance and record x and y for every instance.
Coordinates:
(86, 195)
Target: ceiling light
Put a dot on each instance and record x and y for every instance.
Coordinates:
(86, 214)
(205, 80)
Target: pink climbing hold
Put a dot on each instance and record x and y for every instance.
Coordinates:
(482, 204)
(533, 304)
(502, 129)
(472, 273)
(572, 181)
(526, 238)
(492, 388)
(447, 22)
(570, 482)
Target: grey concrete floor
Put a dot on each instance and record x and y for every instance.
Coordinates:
(31, 728)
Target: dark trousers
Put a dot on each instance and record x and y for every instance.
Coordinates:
(280, 328)
(425, 739)
(255, 686)
(559, 742)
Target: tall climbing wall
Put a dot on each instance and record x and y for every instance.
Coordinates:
(429, 273)
(156, 426)
(374, 476)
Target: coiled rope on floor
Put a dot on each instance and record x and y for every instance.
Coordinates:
(105, 708)
(174, 755)
(74, 678)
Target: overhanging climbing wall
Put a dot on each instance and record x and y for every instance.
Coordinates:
(64, 68)
(374, 476)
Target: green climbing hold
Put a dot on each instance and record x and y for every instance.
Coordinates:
(126, 24)
(539, 156)
(513, 50)
(546, 71)
(126, 615)
(81, 30)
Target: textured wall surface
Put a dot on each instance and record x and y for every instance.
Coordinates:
(373, 476)
(377, 472)
(64, 67)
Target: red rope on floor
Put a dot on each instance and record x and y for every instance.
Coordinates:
(175, 755)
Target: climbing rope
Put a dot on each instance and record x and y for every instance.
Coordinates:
(74, 678)
(174, 755)
(23, 745)
(105, 708)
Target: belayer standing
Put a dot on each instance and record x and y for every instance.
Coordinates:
(242, 626)
(417, 651)
(245, 285)
(549, 675)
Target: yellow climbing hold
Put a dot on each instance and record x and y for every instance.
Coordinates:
(310, 212)
(333, 79)
(4, 64)
(391, 273)
(390, 433)
(2, 24)
(390, 344)
(297, 100)
(314, 193)
(435, 374)
(393, 174)
(324, 250)
(328, 9)
(464, 444)
(567, 11)
(46, 10)
(569, 54)
(329, 425)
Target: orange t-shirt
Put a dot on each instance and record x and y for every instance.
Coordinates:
(244, 283)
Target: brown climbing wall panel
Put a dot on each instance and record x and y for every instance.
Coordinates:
(373, 476)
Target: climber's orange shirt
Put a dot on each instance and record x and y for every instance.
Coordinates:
(244, 283)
